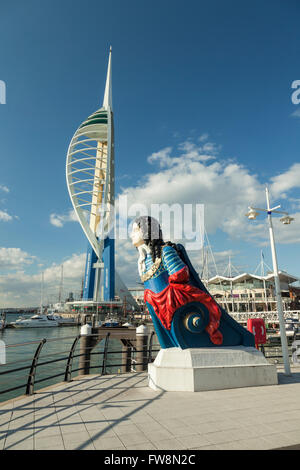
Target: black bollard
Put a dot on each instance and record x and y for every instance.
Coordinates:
(141, 347)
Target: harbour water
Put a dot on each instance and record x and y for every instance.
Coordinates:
(22, 343)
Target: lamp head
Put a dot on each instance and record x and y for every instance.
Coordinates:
(286, 219)
(252, 214)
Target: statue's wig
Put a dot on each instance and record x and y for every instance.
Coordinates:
(152, 235)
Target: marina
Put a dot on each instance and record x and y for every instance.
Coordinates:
(106, 408)
(22, 344)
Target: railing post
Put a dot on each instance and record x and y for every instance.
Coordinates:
(105, 354)
(70, 360)
(31, 376)
(126, 356)
(141, 347)
(150, 347)
(85, 349)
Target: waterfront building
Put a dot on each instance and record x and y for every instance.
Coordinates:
(247, 295)
(252, 293)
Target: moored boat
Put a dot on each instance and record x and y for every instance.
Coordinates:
(111, 322)
(36, 321)
(62, 321)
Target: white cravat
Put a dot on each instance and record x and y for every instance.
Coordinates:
(144, 250)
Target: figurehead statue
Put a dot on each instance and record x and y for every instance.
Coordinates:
(183, 312)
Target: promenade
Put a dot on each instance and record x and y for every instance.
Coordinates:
(120, 412)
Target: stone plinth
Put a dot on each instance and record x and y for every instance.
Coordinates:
(193, 370)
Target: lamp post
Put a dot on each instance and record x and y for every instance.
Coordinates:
(286, 219)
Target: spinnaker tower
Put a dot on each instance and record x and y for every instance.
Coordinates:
(90, 172)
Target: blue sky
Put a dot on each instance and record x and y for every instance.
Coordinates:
(185, 74)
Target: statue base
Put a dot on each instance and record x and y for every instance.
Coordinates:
(200, 369)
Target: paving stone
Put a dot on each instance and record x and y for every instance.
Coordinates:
(72, 428)
(203, 428)
(42, 431)
(105, 443)
(122, 429)
(279, 440)
(236, 445)
(255, 444)
(95, 426)
(133, 438)
(220, 437)
(48, 442)
(293, 437)
(169, 444)
(144, 446)
(76, 440)
(206, 447)
(157, 434)
(190, 442)
(20, 440)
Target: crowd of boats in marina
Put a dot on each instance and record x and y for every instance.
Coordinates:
(112, 320)
(50, 320)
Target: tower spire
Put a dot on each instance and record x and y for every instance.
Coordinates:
(107, 100)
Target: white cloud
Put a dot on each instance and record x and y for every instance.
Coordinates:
(162, 157)
(73, 270)
(188, 152)
(126, 262)
(20, 289)
(226, 189)
(203, 137)
(296, 113)
(59, 220)
(5, 217)
(286, 181)
(4, 188)
(14, 258)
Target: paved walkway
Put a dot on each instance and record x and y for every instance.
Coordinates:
(122, 412)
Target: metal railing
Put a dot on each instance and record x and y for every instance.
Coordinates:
(68, 370)
(266, 315)
(30, 380)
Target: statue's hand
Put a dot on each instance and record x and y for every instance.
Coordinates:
(141, 260)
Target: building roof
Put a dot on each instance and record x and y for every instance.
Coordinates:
(283, 276)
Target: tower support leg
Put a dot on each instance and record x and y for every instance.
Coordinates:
(109, 269)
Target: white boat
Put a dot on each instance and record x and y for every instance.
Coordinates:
(291, 328)
(127, 324)
(36, 321)
(111, 322)
(62, 320)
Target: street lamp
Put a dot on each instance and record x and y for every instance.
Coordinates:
(286, 219)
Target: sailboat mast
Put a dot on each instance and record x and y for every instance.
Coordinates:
(263, 276)
(61, 284)
(230, 275)
(42, 293)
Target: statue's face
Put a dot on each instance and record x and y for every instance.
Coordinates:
(136, 235)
